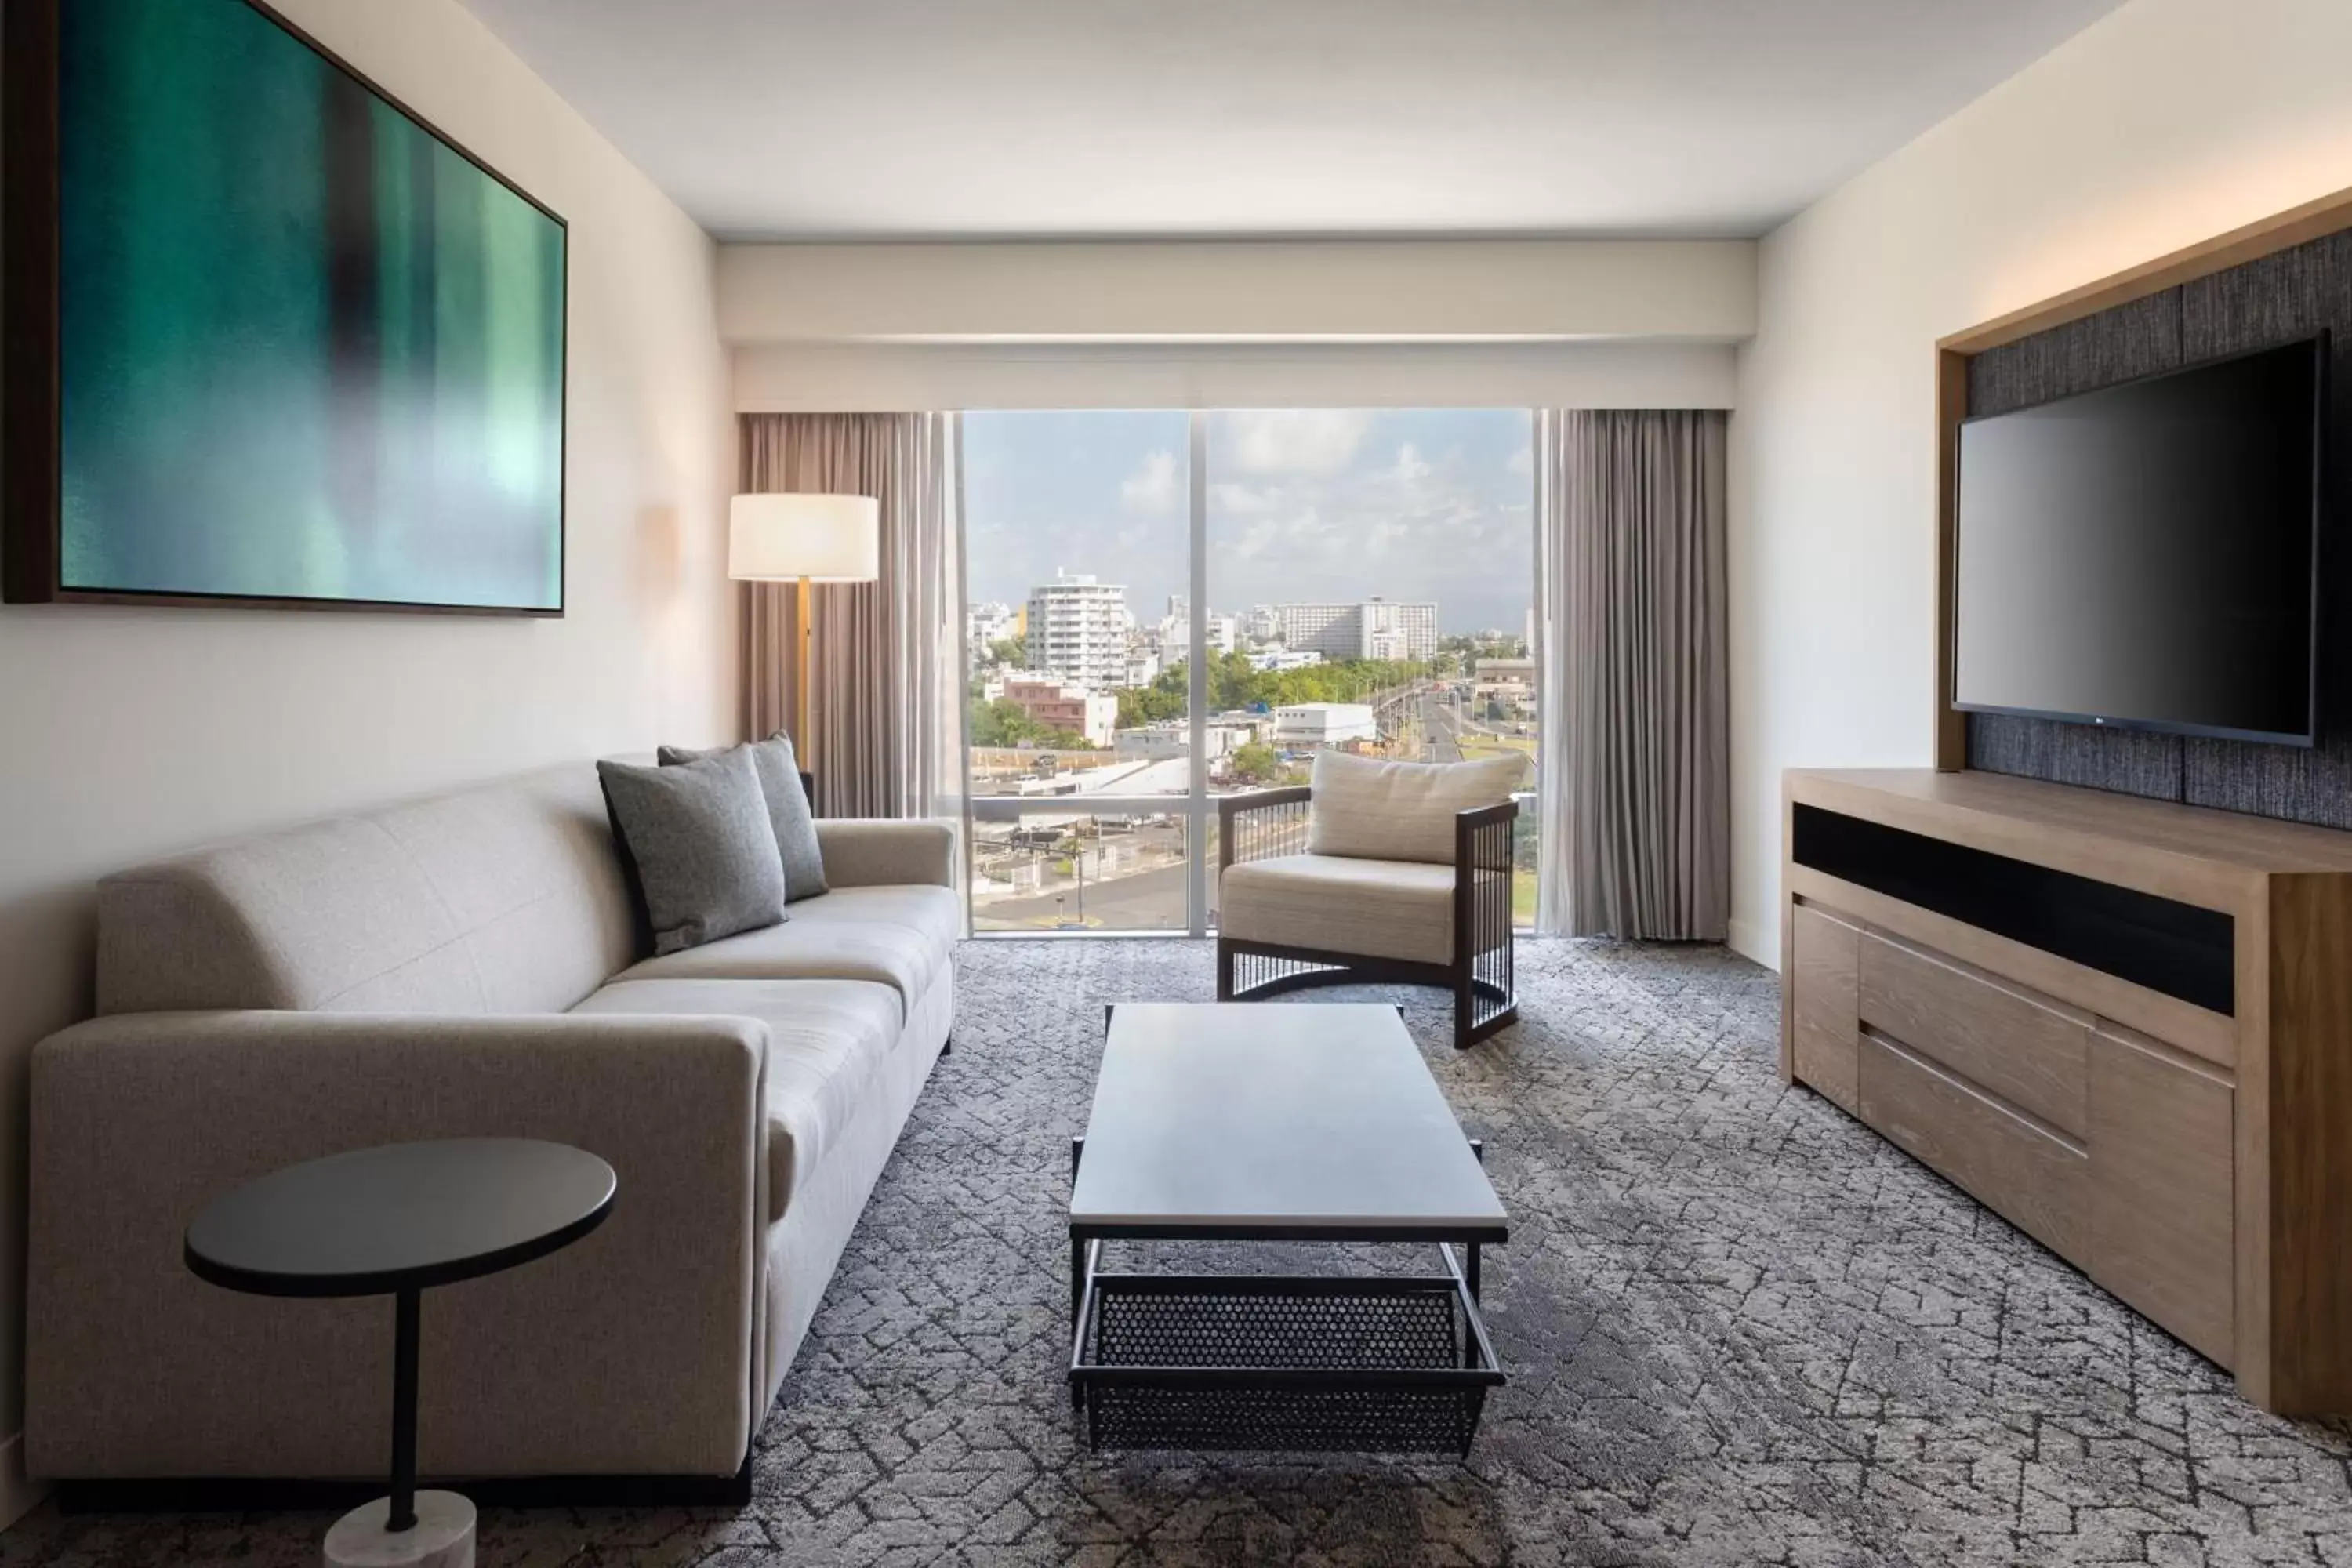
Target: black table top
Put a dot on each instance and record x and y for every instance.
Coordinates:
(402, 1216)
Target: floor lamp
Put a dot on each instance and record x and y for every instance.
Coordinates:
(779, 537)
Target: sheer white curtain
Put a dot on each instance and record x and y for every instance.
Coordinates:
(1631, 609)
(887, 705)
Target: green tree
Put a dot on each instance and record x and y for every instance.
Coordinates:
(1256, 762)
(1233, 684)
(1012, 652)
(1001, 723)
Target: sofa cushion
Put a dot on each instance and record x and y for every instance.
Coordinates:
(827, 1041)
(704, 850)
(1401, 811)
(899, 937)
(1374, 909)
(505, 898)
(788, 808)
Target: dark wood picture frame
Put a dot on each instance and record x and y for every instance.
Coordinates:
(31, 435)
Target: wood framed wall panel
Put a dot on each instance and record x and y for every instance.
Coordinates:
(1952, 407)
(2264, 236)
(2285, 276)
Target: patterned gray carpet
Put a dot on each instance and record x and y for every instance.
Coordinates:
(1741, 1330)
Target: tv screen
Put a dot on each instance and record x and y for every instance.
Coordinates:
(2145, 556)
(305, 349)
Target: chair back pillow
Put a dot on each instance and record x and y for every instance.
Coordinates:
(1400, 811)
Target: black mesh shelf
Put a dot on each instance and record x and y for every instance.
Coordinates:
(1281, 1363)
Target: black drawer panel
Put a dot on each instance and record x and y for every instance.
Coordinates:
(2178, 948)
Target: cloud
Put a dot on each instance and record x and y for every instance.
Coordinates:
(1409, 467)
(1150, 491)
(1293, 440)
(1231, 499)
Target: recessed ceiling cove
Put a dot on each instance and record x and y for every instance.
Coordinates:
(1040, 119)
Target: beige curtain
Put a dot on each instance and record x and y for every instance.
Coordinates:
(1635, 804)
(884, 708)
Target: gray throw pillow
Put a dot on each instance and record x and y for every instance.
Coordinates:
(788, 809)
(698, 838)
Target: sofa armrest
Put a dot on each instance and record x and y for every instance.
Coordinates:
(881, 852)
(634, 1351)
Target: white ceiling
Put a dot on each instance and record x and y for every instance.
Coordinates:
(947, 119)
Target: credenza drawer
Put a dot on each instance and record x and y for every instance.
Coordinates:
(2019, 1048)
(2164, 1190)
(1821, 1045)
(2038, 1181)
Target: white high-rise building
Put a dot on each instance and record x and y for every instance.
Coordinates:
(1176, 631)
(987, 624)
(1077, 629)
(1374, 628)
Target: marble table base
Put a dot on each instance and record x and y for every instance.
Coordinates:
(442, 1537)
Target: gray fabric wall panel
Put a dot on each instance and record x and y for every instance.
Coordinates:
(2122, 344)
(2124, 761)
(2291, 295)
(2286, 782)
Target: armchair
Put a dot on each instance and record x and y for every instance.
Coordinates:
(1290, 918)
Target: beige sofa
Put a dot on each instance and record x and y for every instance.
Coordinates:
(455, 966)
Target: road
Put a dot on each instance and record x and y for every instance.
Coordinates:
(1145, 900)
(1441, 728)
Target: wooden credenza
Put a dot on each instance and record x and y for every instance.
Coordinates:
(2124, 1024)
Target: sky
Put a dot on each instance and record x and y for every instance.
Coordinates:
(1303, 505)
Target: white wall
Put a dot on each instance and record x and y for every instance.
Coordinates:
(791, 377)
(1238, 290)
(2168, 123)
(1238, 324)
(135, 732)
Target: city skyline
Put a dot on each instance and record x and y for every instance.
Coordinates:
(1303, 506)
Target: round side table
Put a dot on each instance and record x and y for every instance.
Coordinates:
(395, 1221)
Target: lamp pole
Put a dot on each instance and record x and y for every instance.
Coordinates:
(806, 613)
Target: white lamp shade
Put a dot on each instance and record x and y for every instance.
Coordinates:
(776, 538)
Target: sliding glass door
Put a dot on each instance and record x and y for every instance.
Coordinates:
(1166, 607)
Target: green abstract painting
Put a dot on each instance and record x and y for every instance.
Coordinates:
(308, 351)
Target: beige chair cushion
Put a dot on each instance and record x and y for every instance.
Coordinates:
(899, 937)
(827, 1040)
(1401, 811)
(1372, 909)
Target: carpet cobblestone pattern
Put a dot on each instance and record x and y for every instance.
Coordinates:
(1740, 1329)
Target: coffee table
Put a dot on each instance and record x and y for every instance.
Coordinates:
(1253, 1122)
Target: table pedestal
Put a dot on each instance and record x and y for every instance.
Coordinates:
(442, 1537)
(409, 1528)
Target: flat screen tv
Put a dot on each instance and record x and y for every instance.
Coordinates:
(272, 339)
(2146, 556)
